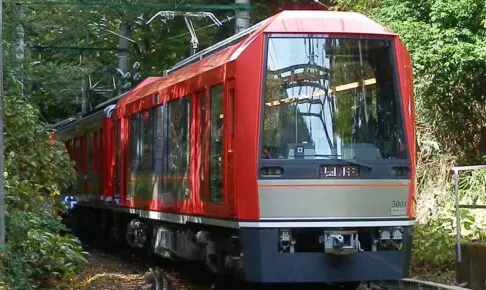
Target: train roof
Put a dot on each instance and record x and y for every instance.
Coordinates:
(319, 21)
(289, 21)
(100, 110)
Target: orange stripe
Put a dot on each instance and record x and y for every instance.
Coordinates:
(157, 178)
(337, 185)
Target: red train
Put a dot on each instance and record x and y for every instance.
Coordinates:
(286, 153)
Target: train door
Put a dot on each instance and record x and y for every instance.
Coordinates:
(212, 181)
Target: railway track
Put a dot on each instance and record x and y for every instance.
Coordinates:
(412, 284)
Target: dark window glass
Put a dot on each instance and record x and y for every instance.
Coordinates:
(89, 152)
(117, 162)
(329, 98)
(232, 108)
(134, 142)
(160, 153)
(171, 150)
(203, 139)
(96, 148)
(146, 143)
(79, 167)
(91, 159)
(178, 157)
(160, 140)
(216, 147)
(143, 178)
(134, 154)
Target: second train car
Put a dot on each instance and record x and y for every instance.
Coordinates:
(285, 153)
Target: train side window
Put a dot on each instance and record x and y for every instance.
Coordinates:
(231, 103)
(143, 175)
(216, 145)
(118, 159)
(89, 152)
(95, 152)
(178, 148)
(96, 158)
(101, 139)
(203, 139)
(76, 155)
(100, 151)
(134, 153)
(146, 143)
(160, 140)
(89, 161)
(160, 150)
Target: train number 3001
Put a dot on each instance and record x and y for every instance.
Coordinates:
(399, 204)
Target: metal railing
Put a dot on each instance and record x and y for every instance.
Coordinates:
(456, 170)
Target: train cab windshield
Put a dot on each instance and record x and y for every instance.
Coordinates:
(331, 98)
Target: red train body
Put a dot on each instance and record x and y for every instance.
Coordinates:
(272, 152)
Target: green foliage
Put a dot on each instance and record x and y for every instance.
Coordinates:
(448, 46)
(433, 245)
(31, 159)
(37, 252)
(435, 240)
(448, 49)
(447, 41)
(38, 248)
(52, 76)
(361, 6)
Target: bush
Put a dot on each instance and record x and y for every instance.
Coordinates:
(38, 248)
(435, 233)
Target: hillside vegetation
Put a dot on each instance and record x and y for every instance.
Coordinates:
(447, 41)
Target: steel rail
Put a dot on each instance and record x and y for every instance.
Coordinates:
(413, 284)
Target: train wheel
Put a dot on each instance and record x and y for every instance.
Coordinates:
(136, 234)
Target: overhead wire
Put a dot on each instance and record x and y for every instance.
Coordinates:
(202, 28)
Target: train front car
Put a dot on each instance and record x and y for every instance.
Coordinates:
(336, 153)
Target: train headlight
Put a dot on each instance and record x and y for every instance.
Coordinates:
(400, 171)
(286, 241)
(397, 233)
(271, 171)
(285, 235)
(385, 234)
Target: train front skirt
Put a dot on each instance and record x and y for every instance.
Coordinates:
(265, 262)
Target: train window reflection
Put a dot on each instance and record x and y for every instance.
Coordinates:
(178, 157)
(134, 154)
(331, 98)
(146, 143)
(216, 147)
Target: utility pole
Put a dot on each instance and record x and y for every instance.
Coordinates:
(2, 192)
(242, 16)
(123, 52)
(84, 93)
(20, 49)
